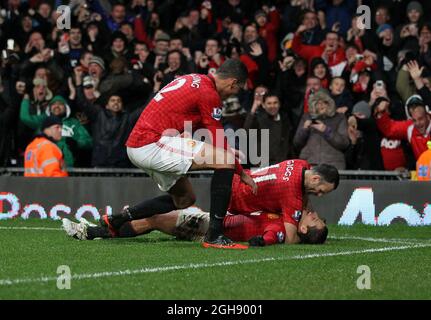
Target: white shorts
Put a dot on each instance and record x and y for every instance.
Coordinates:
(166, 160)
(192, 224)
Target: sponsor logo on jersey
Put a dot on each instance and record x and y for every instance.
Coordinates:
(297, 215)
(280, 237)
(217, 114)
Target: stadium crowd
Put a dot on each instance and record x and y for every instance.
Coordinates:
(327, 90)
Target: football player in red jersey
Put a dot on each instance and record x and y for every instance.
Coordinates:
(157, 144)
(261, 229)
(283, 188)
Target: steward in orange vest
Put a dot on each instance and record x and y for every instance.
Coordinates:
(423, 165)
(42, 156)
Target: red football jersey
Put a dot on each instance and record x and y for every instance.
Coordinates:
(191, 98)
(280, 190)
(243, 228)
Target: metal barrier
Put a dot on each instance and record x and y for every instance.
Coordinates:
(129, 172)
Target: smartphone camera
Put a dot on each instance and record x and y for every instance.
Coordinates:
(380, 84)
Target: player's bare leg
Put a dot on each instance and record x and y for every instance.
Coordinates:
(165, 223)
(223, 164)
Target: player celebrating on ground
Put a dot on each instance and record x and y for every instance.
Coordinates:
(192, 224)
(155, 146)
(283, 189)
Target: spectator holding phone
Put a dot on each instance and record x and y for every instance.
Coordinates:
(322, 134)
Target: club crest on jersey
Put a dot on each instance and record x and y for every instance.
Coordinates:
(216, 114)
(280, 237)
(297, 215)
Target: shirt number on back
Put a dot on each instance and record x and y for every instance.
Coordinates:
(174, 85)
(265, 178)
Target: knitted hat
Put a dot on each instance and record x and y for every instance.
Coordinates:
(49, 122)
(362, 107)
(42, 82)
(97, 60)
(383, 27)
(88, 82)
(415, 5)
(162, 36)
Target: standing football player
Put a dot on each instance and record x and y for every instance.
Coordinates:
(158, 145)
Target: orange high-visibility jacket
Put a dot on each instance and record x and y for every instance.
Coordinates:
(423, 165)
(43, 159)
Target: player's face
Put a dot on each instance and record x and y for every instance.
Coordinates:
(310, 219)
(231, 88)
(315, 186)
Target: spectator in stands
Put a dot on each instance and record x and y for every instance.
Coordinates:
(330, 50)
(268, 22)
(129, 49)
(291, 83)
(176, 66)
(74, 135)
(341, 95)
(312, 34)
(211, 59)
(416, 130)
(111, 126)
(388, 52)
(117, 16)
(382, 16)
(265, 115)
(369, 150)
(312, 86)
(320, 70)
(410, 81)
(338, 15)
(43, 158)
(119, 47)
(322, 134)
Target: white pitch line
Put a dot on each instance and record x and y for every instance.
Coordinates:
(5, 282)
(384, 240)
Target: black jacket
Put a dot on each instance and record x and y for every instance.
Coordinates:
(280, 135)
(110, 132)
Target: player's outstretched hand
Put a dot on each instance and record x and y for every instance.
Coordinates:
(256, 241)
(245, 178)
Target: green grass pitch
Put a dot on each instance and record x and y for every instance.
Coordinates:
(158, 267)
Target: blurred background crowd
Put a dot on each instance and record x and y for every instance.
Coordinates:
(327, 90)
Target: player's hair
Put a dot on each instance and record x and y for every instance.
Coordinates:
(233, 68)
(328, 173)
(314, 235)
